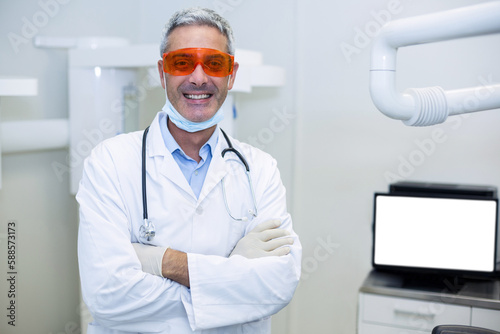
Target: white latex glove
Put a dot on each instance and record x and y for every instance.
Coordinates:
(266, 239)
(151, 258)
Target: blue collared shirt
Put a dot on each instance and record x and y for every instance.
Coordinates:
(195, 172)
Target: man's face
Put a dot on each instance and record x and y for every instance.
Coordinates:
(196, 96)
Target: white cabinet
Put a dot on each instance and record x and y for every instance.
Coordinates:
(380, 329)
(404, 315)
(486, 318)
(397, 304)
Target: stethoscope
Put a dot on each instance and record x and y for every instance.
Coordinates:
(148, 231)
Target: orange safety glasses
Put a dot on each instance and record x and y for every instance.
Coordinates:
(183, 62)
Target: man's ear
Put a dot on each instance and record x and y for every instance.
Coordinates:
(161, 73)
(232, 77)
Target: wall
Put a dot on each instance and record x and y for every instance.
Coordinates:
(346, 150)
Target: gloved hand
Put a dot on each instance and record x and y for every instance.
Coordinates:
(264, 240)
(151, 258)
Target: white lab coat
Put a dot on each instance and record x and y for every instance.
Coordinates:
(227, 294)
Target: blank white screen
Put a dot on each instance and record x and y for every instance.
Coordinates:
(441, 233)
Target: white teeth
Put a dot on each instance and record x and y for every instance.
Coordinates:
(197, 97)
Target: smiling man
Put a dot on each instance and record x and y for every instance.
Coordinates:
(203, 242)
(200, 94)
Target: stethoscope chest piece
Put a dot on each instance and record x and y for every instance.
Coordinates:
(147, 230)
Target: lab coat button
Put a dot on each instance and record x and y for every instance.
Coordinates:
(199, 210)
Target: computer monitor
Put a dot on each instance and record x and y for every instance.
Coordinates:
(435, 232)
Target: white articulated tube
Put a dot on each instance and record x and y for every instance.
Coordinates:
(431, 105)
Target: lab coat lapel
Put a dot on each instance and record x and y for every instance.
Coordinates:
(167, 166)
(217, 169)
(172, 171)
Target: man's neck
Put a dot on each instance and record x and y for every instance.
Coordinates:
(190, 142)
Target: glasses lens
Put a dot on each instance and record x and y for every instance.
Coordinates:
(184, 61)
(179, 63)
(217, 65)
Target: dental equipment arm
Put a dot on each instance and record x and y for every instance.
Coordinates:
(430, 105)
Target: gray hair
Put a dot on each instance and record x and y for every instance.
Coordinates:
(201, 17)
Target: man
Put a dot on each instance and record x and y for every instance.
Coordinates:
(223, 257)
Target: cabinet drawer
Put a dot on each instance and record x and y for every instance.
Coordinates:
(482, 317)
(380, 329)
(409, 313)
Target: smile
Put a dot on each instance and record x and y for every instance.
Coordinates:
(197, 96)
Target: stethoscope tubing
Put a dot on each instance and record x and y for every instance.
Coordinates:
(144, 196)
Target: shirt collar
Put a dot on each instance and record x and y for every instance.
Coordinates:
(173, 146)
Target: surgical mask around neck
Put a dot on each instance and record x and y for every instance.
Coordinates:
(190, 126)
(182, 123)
